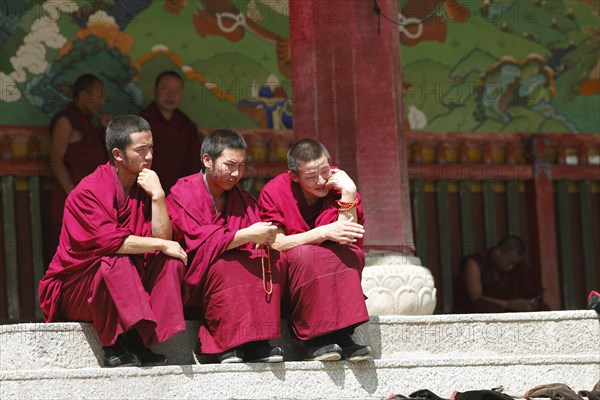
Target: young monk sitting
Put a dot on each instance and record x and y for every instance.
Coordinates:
(232, 282)
(116, 265)
(319, 217)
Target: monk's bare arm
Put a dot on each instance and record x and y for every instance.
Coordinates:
(343, 232)
(348, 196)
(140, 245)
(161, 223)
(61, 136)
(285, 242)
(259, 233)
(472, 277)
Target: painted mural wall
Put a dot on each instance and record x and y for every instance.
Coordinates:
(235, 57)
(501, 65)
(468, 65)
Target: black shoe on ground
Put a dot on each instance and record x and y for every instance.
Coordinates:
(135, 345)
(351, 351)
(320, 349)
(118, 356)
(262, 351)
(235, 355)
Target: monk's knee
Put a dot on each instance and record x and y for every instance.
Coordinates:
(108, 263)
(170, 265)
(301, 253)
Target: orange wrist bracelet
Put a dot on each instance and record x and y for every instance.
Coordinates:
(347, 205)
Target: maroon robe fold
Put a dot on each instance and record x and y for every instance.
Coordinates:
(87, 281)
(323, 291)
(225, 288)
(81, 159)
(516, 283)
(178, 142)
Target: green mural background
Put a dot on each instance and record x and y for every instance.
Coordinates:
(234, 57)
(501, 65)
(468, 66)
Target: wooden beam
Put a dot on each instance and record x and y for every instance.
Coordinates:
(10, 247)
(566, 247)
(466, 207)
(37, 241)
(544, 224)
(444, 236)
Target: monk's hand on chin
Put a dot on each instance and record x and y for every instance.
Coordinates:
(174, 249)
(345, 232)
(149, 181)
(340, 180)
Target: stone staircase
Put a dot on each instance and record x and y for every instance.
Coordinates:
(442, 353)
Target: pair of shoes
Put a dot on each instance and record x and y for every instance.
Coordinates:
(351, 351)
(231, 356)
(118, 356)
(135, 345)
(261, 351)
(321, 349)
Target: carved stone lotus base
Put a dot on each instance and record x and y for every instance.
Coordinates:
(396, 284)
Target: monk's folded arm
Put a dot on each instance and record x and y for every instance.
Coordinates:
(349, 215)
(161, 223)
(348, 196)
(140, 245)
(285, 242)
(242, 236)
(472, 277)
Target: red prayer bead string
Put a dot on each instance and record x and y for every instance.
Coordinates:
(262, 263)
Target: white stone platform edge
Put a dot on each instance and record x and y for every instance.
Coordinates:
(304, 380)
(459, 361)
(374, 319)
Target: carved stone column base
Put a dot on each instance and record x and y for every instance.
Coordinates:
(397, 284)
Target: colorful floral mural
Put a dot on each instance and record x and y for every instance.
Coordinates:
(501, 65)
(468, 65)
(235, 57)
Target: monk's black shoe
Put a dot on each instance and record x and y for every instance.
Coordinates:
(351, 351)
(357, 353)
(231, 356)
(117, 356)
(151, 359)
(321, 349)
(148, 358)
(329, 352)
(122, 360)
(261, 351)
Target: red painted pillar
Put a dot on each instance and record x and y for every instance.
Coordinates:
(347, 93)
(543, 222)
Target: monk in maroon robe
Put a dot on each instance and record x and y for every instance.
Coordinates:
(319, 217)
(78, 146)
(174, 132)
(498, 280)
(232, 282)
(116, 265)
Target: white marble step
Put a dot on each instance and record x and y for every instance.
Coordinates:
(304, 380)
(553, 332)
(75, 345)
